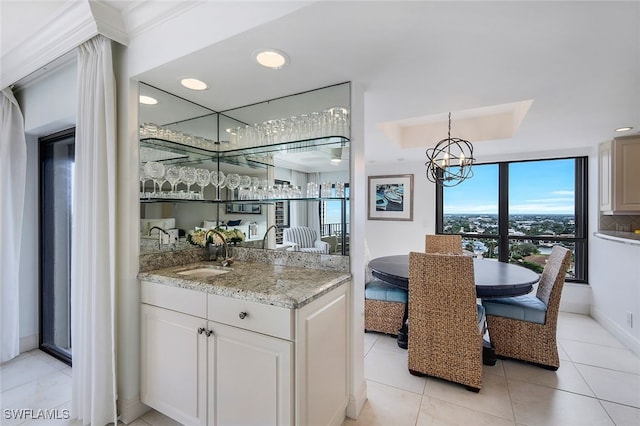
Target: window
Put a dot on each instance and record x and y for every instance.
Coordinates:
(517, 211)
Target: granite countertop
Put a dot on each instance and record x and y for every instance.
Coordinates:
(620, 237)
(285, 286)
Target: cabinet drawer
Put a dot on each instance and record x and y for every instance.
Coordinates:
(271, 320)
(190, 302)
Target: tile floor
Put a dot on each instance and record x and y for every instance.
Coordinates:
(598, 383)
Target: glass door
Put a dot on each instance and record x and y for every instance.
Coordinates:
(56, 189)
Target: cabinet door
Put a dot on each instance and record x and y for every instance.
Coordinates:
(252, 378)
(322, 342)
(173, 364)
(627, 174)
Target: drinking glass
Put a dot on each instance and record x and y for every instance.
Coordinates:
(173, 176)
(232, 182)
(143, 178)
(217, 180)
(188, 176)
(155, 171)
(245, 183)
(203, 178)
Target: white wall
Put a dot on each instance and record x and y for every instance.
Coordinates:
(614, 276)
(48, 106)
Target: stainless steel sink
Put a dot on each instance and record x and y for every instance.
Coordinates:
(203, 271)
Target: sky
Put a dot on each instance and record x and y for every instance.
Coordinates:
(535, 187)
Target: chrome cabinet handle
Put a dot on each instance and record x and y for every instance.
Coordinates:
(242, 315)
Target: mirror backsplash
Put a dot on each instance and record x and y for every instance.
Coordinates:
(290, 168)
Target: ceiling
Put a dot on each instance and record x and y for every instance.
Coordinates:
(576, 64)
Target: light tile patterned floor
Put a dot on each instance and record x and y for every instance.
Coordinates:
(598, 383)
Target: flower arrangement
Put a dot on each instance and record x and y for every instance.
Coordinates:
(198, 236)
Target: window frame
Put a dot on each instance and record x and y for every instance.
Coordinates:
(581, 203)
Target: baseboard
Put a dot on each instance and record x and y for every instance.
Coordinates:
(356, 401)
(131, 409)
(618, 332)
(28, 343)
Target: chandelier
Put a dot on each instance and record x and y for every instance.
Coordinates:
(449, 162)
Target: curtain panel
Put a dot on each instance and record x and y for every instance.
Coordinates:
(93, 238)
(13, 169)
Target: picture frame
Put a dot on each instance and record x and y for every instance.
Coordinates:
(244, 208)
(390, 197)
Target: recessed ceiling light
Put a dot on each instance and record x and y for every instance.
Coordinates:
(271, 58)
(623, 129)
(148, 100)
(193, 84)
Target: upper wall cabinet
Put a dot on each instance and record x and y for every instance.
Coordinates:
(619, 176)
(282, 162)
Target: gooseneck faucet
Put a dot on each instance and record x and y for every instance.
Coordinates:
(226, 260)
(158, 228)
(264, 238)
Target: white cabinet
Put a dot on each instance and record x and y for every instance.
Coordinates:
(174, 357)
(215, 360)
(253, 382)
(619, 176)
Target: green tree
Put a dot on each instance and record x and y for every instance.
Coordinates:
(525, 249)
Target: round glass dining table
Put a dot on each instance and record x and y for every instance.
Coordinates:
(492, 279)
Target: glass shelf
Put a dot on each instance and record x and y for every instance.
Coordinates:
(264, 201)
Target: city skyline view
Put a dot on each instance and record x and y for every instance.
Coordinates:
(536, 187)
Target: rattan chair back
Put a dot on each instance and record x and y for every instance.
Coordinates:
(444, 244)
(444, 340)
(529, 341)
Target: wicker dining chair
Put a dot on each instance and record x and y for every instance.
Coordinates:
(445, 244)
(524, 327)
(446, 324)
(384, 306)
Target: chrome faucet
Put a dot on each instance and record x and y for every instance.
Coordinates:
(264, 238)
(226, 260)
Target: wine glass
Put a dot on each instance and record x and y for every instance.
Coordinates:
(155, 171)
(255, 183)
(232, 181)
(245, 183)
(188, 176)
(203, 178)
(173, 176)
(143, 178)
(217, 180)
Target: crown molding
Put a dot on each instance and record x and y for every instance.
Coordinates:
(77, 23)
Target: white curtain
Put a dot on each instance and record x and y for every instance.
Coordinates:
(13, 169)
(93, 238)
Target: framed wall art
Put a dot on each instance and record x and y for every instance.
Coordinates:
(391, 197)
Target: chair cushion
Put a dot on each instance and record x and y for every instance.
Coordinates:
(524, 308)
(380, 290)
(482, 318)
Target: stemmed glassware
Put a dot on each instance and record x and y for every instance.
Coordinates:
(173, 176)
(143, 178)
(245, 183)
(232, 181)
(188, 176)
(203, 178)
(155, 171)
(217, 180)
